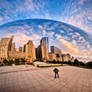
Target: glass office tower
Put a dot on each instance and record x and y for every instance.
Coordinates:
(46, 42)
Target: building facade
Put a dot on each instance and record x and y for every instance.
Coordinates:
(66, 57)
(8, 50)
(5, 47)
(58, 53)
(13, 47)
(55, 50)
(46, 39)
(30, 51)
(16, 54)
(20, 49)
(52, 56)
(42, 50)
(72, 59)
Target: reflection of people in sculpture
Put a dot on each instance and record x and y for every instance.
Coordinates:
(56, 73)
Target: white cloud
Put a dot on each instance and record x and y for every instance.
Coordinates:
(90, 18)
(44, 32)
(69, 46)
(82, 1)
(88, 46)
(77, 34)
(21, 39)
(62, 31)
(35, 37)
(58, 36)
(70, 33)
(75, 10)
(31, 30)
(70, 29)
(40, 27)
(80, 38)
(29, 5)
(1, 19)
(51, 34)
(47, 16)
(50, 28)
(73, 47)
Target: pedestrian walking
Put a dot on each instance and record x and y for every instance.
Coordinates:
(56, 73)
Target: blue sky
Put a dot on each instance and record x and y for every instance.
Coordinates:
(74, 12)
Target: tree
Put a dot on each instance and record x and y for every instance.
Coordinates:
(16, 61)
(54, 61)
(89, 64)
(5, 61)
(76, 62)
(69, 62)
(22, 60)
(82, 64)
(11, 62)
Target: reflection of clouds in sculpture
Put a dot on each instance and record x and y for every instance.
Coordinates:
(66, 37)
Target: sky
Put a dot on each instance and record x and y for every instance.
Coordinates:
(74, 12)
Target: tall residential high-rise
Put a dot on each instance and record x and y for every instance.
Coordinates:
(46, 41)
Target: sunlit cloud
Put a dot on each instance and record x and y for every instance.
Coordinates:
(73, 47)
(35, 36)
(70, 46)
(51, 34)
(90, 18)
(21, 39)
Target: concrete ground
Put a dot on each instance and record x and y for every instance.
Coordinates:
(32, 79)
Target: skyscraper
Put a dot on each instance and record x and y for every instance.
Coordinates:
(55, 50)
(20, 49)
(46, 41)
(5, 47)
(30, 51)
(42, 50)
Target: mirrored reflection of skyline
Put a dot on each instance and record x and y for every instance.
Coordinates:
(70, 39)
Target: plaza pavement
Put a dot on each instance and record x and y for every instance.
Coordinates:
(32, 79)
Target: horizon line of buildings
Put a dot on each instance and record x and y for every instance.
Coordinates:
(30, 53)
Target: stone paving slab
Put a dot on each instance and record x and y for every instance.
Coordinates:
(18, 68)
(72, 79)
